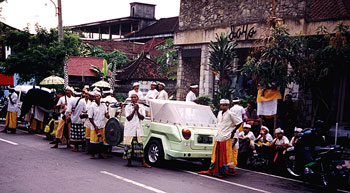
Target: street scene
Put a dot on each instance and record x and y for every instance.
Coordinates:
(175, 96)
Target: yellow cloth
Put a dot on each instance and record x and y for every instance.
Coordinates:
(60, 128)
(240, 129)
(11, 120)
(261, 143)
(229, 154)
(94, 138)
(35, 123)
(128, 139)
(235, 155)
(87, 133)
(269, 95)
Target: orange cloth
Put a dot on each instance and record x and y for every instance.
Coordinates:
(222, 158)
(11, 120)
(60, 128)
(269, 95)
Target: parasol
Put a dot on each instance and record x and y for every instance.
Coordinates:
(52, 80)
(102, 84)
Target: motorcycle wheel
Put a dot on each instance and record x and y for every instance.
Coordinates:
(291, 165)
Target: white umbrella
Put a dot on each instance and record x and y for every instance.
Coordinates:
(102, 84)
(52, 80)
(26, 88)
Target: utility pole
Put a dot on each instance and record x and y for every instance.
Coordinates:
(59, 12)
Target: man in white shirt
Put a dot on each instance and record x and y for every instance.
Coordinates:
(63, 124)
(191, 96)
(135, 90)
(133, 131)
(280, 143)
(76, 107)
(163, 95)
(227, 124)
(153, 93)
(264, 138)
(237, 109)
(294, 139)
(89, 97)
(97, 114)
(11, 115)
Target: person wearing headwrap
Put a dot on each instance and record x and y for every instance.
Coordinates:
(295, 137)
(97, 114)
(280, 144)
(246, 142)
(88, 99)
(11, 115)
(136, 90)
(222, 159)
(152, 93)
(163, 95)
(191, 96)
(63, 124)
(264, 137)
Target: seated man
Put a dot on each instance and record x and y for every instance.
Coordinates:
(246, 140)
(280, 144)
(295, 137)
(264, 138)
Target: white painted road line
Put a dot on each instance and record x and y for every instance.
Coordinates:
(40, 135)
(133, 182)
(270, 175)
(7, 141)
(227, 182)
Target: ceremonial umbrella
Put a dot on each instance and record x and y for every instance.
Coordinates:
(102, 84)
(52, 80)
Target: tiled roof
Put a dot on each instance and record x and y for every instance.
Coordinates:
(328, 9)
(141, 69)
(163, 26)
(150, 47)
(129, 48)
(80, 66)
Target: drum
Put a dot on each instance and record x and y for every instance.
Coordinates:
(114, 132)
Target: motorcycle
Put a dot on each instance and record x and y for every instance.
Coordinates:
(328, 166)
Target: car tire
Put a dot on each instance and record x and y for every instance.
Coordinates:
(154, 153)
(206, 163)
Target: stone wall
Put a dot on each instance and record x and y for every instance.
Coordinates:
(204, 14)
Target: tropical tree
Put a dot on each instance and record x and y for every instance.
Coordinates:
(168, 61)
(103, 73)
(36, 56)
(222, 54)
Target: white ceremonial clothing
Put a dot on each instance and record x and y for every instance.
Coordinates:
(236, 136)
(163, 95)
(139, 93)
(268, 138)
(97, 113)
(226, 122)
(87, 123)
(190, 97)
(78, 109)
(239, 110)
(152, 94)
(12, 107)
(282, 141)
(250, 135)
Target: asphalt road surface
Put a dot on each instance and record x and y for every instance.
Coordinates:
(28, 164)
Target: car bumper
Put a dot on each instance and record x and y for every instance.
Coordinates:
(172, 154)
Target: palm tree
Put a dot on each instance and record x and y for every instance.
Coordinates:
(102, 73)
(222, 54)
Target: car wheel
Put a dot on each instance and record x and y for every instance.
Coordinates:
(154, 152)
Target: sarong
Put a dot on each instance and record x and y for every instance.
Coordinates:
(87, 133)
(222, 159)
(134, 150)
(60, 128)
(11, 120)
(77, 132)
(94, 138)
(36, 125)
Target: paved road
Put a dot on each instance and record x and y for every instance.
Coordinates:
(28, 164)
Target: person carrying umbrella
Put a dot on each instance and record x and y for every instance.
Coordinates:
(11, 115)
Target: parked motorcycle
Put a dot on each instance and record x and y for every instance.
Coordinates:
(328, 168)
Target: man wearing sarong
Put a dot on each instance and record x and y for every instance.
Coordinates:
(63, 124)
(97, 114)
(222, 159)
(133, 131)
(11, 115)
(76, 107)
(89, 97)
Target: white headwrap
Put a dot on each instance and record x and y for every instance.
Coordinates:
(97, 93)
(70, 88)
(194, 86)
(162, 84)
(153, 83)
(245, 125)
(136, 84)
(224, 102)
(298, 130)
(264, 127)
(279, 130)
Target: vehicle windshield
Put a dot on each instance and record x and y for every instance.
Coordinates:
(195, 116)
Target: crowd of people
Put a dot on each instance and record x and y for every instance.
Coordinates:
(79, 118)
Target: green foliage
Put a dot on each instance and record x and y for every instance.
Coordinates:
(36, 56)
(248, 99)
(121, 97)
(269, 64)
(204, 100)
(222, 54)
(169, 60)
